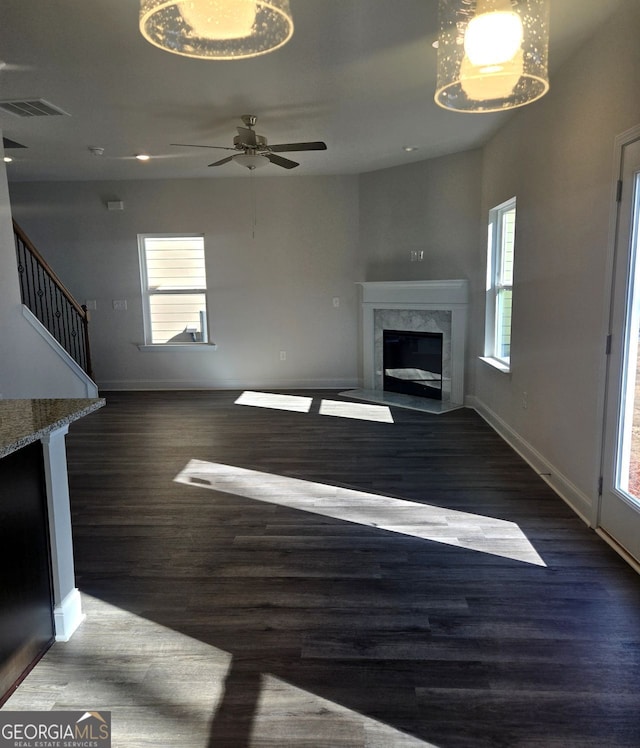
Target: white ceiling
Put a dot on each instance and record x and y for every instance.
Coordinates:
(358, 74)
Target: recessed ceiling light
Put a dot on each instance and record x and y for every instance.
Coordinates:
(8, 159)
(435, 44)
(142, 156)
(409, 148)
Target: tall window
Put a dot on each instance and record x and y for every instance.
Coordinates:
(174, 289)
(501, 244)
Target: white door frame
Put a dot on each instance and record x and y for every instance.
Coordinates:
(621, 141)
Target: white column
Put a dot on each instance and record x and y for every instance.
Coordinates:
(67, 604)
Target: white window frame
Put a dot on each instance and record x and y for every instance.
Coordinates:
(147, 294)
(496, 285)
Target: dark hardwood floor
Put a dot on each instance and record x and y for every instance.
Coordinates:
(396, 585)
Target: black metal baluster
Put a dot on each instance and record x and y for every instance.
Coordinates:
(21, 267)
(47, 304)
(68, 329)
(62, 337)
(56, 313)
(30, 284)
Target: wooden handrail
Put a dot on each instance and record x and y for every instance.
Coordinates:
(67, 294)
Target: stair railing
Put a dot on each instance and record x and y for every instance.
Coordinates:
(44, 294)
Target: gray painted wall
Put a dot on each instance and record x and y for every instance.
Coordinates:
(269, 293)
(557, 157)
(430, 206)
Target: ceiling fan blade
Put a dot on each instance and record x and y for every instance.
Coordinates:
(279, 161)
(222, 161)
(192, 145)
(248, 137)
(284, 147)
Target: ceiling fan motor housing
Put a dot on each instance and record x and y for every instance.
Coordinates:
(260, 144)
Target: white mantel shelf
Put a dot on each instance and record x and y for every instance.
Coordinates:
(429, 293)
(432, 295)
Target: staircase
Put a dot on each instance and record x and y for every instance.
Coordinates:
(44, 294)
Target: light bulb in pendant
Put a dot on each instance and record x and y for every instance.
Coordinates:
(219, 19)
(490, 81)
(494, 35)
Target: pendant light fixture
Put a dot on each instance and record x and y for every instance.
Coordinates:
(492, 54)
(216, 29)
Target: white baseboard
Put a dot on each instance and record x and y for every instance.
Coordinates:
(68, 616)
(566, 490)
(633, 563)
(226, 384)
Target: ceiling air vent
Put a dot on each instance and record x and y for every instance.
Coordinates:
(31, 108)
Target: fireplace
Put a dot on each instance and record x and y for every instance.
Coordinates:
(433, 307)
(412, 363)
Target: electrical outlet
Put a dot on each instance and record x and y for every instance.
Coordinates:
(525, 400)
(336, 301)
(283, 355)
(413, 255)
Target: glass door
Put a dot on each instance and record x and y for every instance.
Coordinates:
(619, 513)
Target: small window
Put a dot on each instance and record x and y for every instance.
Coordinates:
(174, 289)
(500, 252)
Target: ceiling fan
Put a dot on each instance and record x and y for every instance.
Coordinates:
(253, 151)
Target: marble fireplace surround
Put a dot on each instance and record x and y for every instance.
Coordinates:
(433, 306)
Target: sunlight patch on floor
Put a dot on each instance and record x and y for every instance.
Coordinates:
(307, 719)
(164, 688)
(359, 411)
(295, 403)
(299, 404)
(449, 526)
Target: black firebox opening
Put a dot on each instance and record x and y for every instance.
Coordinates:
(412, 363)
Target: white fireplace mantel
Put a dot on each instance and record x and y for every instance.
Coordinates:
(438, 295)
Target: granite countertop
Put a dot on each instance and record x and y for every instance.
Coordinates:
(26, 421)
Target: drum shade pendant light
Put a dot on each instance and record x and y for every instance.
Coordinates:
(492, 54)
(216, 29)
